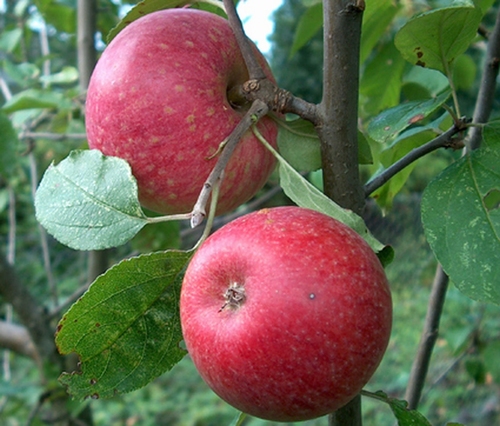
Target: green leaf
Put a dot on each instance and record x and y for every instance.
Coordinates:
(148, 6)
(462, 222)
(8, 148)
(435, 38)
(33, 98)
(423, 83)
(126, 329)
(309, 24)
(10, 39)
(299, 144)
(305, 194)
(464, 72)
(387, 125)
(401, 146)
(404, 416)
(377, 17)
(382, 93)
(89, 201)
(65, 76)
(61, 16)
(24, 74)
(490, 356)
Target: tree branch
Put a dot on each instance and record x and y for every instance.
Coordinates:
(339, 106)
(30, 312)
(486, 95)
(428, 339)
(444, 140)
(255, 70)
(258, 110)
(16, 338)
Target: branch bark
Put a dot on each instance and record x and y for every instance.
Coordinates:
(428, 339)
(17, 339)
(31, 313)
(486, 95)
(338, 128)
(444, 140)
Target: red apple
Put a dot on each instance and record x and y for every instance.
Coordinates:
(158, 99)
(286, 313)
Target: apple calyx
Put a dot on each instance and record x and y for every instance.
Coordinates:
(234, 297)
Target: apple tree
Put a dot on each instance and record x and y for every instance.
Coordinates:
(184, 118)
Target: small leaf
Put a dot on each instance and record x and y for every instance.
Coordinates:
(10, 39)
(89, 201)
(33, 98)
(423, 83)
(402, 145)
(126, 328)
(376, 18)
(490, 356)
(435, 38)
(462, 223)
(387, 125)
(404, 415)
(309, 24)
(8, 147)
(382, 93)
(299, 144)
(305, 194)
(65, 76)
(61, 16)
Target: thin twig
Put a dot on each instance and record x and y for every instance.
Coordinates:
(52, 136)
(44, 242)
(486, 95)
(255, 70)
(258, 110)
(442, 141)
(428, 339)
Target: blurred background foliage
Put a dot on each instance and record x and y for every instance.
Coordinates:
(41, 96)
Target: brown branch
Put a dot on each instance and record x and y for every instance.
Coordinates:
(258, 110)
(338, 129)
(53, 136)
(17, 339)
(445, 140)
(486, 95)
(428, 339)
(31, 313)
(255, 70)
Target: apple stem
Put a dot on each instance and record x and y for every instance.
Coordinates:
(258, 110)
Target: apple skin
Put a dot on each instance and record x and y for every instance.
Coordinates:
(311, 327)
(158, 99)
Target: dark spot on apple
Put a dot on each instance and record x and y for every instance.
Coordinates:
(234, 297)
